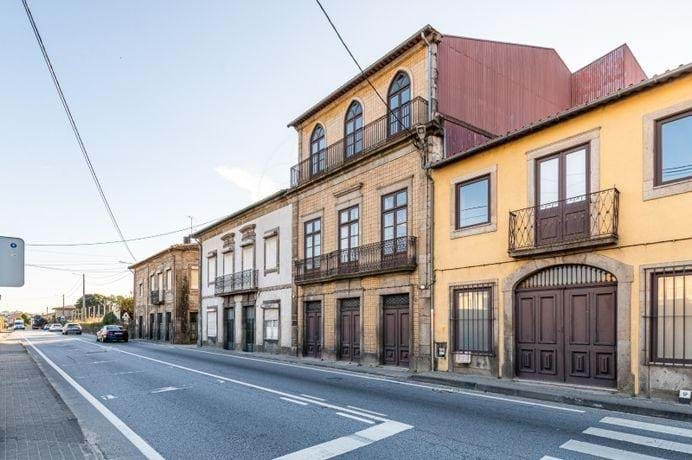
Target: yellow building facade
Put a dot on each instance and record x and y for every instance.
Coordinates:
(563, 251)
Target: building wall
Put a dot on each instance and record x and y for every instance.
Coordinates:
(181, 263)
(653, 229)
(274, 287)
(333, 116)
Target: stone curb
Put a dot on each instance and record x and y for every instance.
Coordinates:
(631, 407)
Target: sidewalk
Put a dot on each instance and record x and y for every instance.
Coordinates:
(34, 421)
(587, 397)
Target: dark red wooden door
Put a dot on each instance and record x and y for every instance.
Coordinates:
(562, 197)
(350, 331)
(313, 323)
(567, 335)
(396, 330)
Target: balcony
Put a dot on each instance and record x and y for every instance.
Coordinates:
(579, 222)
(375, 258)
(372, 136)
(157, 297)
(236, 283)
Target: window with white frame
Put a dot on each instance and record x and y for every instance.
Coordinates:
(248, 257)
(211, 269)
(211, 322)
(227, 263)
(271, 324)
(271, 252)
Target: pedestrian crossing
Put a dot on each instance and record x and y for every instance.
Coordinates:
(630, 437)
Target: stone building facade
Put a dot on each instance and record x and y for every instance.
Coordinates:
(246, 283)
(166, 295)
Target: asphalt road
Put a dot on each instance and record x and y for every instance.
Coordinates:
(186, 402)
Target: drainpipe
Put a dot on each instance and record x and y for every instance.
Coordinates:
(199, 294)
(429, 217)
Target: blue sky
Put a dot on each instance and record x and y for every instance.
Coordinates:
(183, 105)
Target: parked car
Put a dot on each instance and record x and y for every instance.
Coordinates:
(111, 333)
(55, 327)
(19, 325)
(72, 328)
(46, 327)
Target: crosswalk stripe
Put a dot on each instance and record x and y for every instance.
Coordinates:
(648, 426)
(640, 440)
(604, 452)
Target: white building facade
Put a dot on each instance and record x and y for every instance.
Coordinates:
(246, 279)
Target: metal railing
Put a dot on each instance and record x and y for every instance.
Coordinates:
(384, 256)
(245, 280)
(580, 220)
(372, 136)
(157, 297)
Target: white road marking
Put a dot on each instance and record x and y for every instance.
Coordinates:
(165, 389)
(648, 426)
(383, 379)
(127, 372)
(313, 397)
(99, 362)
(107, 397)
(368, 411)
(548, 457)
(353, 417)
(349, 443)
(604, 452)
(134, 438)
(294, 401)
(640, 440)
(240, 382)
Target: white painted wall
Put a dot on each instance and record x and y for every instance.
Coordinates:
(281, 219)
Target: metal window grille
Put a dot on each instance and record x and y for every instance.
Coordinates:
(668, 315)
(472, 319)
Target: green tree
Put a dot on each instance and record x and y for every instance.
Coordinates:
(94, 303)
(110, 318)
(25, 318)
(126, 304)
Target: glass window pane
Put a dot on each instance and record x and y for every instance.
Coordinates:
(388, 233)
(389, 202)
(401, 198)
(401, 230)
(549, 184)
(354, 213)
(473, 203)
(388, 219)
(575, 182)
(676, 149)
(354, 228)
(316, 225)
(401, 215)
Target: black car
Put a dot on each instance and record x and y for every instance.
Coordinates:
(111, 333)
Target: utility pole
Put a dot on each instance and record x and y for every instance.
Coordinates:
(83, 295)
(190, 217)
(63, 305)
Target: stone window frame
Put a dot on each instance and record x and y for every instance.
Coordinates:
(274, 304)
(651, 191)
(231, 251)
(488, 227)
(272, 233)
(169, 279)
(318, 214)
(591, 137)
(212, 255)
(400, 185)
(493, 284)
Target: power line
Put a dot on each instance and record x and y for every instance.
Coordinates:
(72, 270)
(75, 130)
(140, 238)
(362, 72)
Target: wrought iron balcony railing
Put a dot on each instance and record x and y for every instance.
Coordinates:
(157, 297)
(385, 256)
(372, 136)
(581, 221)
(235, 283)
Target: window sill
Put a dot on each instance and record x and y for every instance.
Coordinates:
(652, 192)
(475, 230)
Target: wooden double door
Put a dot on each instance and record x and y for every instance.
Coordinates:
(396, 330)
(567, 334)
(313, 329)
(349, 330)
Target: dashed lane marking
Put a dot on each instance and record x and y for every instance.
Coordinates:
(353, 417)
(136, 440)
(313, 397)
(366, 410)
(301, 403)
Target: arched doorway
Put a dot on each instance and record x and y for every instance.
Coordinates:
(566, 325)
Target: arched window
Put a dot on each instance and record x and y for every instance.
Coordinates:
(399, 103)
(318, 149)
(354, 129)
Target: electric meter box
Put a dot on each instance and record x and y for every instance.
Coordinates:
(11, 262)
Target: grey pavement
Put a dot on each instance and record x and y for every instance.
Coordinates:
(186, 402)
(34, 421)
